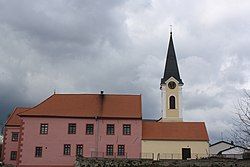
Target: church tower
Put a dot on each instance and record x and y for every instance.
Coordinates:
(171, 88)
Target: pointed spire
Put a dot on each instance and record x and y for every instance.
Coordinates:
(171, 66)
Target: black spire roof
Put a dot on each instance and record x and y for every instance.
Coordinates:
(171, 67)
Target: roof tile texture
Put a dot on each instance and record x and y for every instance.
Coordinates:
(88, 105)
(188, 131)
(14, 119)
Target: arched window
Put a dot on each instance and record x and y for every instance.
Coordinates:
(172, 102)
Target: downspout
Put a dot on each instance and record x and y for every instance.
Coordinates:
(97, 118)
(97, 135)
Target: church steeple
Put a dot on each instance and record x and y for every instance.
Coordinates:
(171, 88)
(171, 66)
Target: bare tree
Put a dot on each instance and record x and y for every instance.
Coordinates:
(241, 132)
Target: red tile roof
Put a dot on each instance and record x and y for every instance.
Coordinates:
(14, 119)
(188, 131)
(88, 105)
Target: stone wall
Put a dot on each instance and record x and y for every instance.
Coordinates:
(211, 162)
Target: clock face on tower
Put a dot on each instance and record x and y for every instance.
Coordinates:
(171, 85)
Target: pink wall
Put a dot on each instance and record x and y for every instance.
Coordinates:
(10, 145)
(132, 142)
(57, 136)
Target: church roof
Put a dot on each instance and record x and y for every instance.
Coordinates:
(171, 66)
(14, 119)
(88, 106)
(182, 131)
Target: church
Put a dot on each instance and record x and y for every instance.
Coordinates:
(64, 126)
(170, 137)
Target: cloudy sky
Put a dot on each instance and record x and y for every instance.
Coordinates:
(119, 47)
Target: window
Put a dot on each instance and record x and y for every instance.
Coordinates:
(172, 102)
(14, 136)
(121, 150)
(44, 129)
(38, 152)
(109, 150)
(126, 129)
(90, 129)
(72, 129)
(79, 149)
(13, 155)
(66, 150)
(110, 129)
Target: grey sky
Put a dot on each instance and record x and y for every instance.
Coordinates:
(119, 47)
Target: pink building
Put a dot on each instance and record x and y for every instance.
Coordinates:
(65, 125)
(11, 137)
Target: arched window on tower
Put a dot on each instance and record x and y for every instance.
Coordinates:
(172, 102)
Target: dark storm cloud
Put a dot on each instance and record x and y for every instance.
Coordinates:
(46, 43)
(119, 47)
(66, 29)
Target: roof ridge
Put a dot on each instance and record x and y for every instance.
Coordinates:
(222, 141)
(114, 94)
(232, 144)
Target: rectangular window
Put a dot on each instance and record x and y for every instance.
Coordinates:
(14, 136)
(38, 152)
(13, 155)
(66, 149)
(110, 129)
(121, 150)
(89, 129)
(79, 149)
(44, 129)
(109, 150)
(126, 129)
(72, 128)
